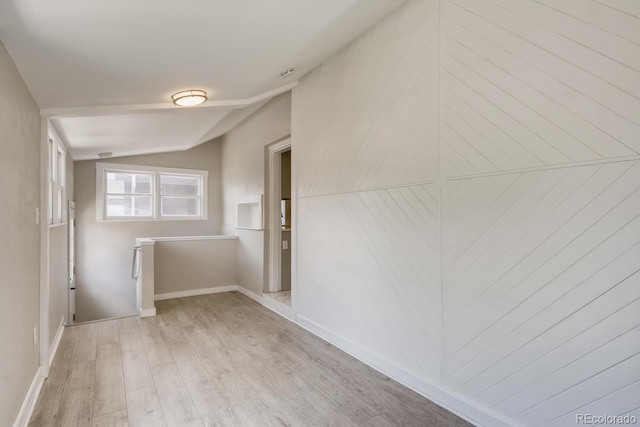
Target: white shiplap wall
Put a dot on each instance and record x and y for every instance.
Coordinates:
(468, 210)
(524, 86)
(541, 213)
(369, 262)
(365, 136)
(540, 279)
(365, 122)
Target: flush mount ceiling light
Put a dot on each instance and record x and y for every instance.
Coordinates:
(189, 98)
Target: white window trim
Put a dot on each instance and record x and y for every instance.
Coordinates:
(57, 185)
(156, 171)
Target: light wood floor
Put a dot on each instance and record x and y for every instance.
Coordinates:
(218, 360)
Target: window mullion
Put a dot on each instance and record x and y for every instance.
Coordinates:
(106, 195)
(156, 196)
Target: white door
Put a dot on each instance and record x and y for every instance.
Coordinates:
(72, 263)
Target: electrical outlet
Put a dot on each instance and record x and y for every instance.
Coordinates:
(35, 335)
(37, 215)
(285, 245)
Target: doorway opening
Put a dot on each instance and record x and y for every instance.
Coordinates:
(71, 318)
(279, 292)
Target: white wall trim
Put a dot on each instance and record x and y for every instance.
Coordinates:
(359, 190)
(448, 399)
(193, 238)
(246, 292)
(274, 227)
(546, 168)
(279, 308)
(145, 241)
(195, 292)
(101, 166)
(206, 291)
(29, 402)
(150, 241)
(56, 341)
(44, 247)
(149, 312)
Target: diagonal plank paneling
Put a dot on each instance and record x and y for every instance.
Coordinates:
(535, 83)
(541, 290)
(526, 114)
(369, 262)
(368, 117)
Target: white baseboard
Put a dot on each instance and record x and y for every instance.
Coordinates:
(29, 402)
(149, 312)
(244, 291)
(205, 291)
(278, 307)
(194, 292)
(448, 399)
(56, 342)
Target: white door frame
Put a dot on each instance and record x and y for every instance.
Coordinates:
(71, 288)
(44, 247)
(274, 152)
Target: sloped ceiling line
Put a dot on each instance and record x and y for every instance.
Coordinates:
(101, 110)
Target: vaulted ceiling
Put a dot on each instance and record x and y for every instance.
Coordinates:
(104, 71)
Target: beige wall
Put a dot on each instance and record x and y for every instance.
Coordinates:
(104, 287)
(58, 278)
(182, 266)
(285, 262)
(243, 174)
(19, 238)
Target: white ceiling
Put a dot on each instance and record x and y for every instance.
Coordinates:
(172, 130)
(106, 69)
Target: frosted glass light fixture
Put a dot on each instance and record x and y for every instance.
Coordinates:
(189, 98)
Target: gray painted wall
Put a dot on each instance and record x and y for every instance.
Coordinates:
(19, 238)
(58, 278)
(243, 174)
(182, 266)
(104, 287)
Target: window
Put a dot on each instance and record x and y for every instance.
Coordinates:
(180, 195)
(128, 192)
(57, 174)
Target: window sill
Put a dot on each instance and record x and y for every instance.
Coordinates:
(56, 225)
(148, 219)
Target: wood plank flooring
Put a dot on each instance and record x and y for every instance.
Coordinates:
(218, 360)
